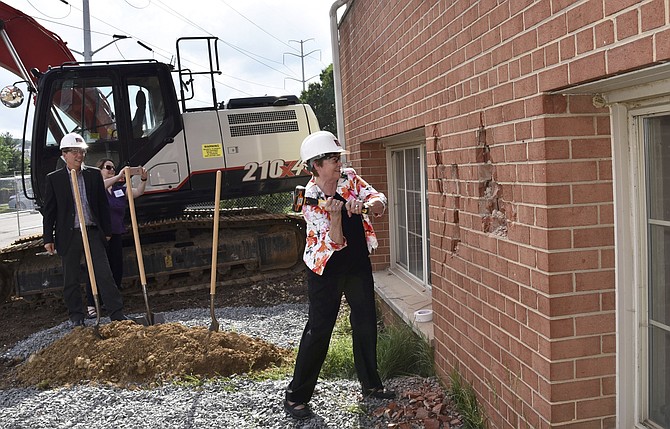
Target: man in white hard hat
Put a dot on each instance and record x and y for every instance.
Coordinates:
(60, 216)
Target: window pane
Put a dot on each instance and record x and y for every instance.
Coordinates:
(657, 141)
(410, 196)
(659, 376)
(659, 274)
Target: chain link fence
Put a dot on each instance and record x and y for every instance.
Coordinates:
(272, 203)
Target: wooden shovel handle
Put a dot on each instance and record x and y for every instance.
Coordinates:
(84, 232)
(133, 219)
(215, 237)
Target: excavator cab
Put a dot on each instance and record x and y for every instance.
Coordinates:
(100, 102)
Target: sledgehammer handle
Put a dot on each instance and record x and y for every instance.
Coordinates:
(315, 202)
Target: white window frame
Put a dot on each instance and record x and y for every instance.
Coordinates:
(393, 221)
(631, 240)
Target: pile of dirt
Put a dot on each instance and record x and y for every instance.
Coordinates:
(131, 354)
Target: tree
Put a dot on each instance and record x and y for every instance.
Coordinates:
(10, 154)
(321, 96)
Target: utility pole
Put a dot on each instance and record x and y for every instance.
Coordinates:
(88, 54)
(302, 60)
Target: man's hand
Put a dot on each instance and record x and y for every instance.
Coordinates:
(49, 247)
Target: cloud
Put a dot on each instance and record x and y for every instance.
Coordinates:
(256, 54)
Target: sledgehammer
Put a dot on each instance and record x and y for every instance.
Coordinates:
(299, 199)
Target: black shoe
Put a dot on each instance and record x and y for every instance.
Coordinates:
(379, 393)
(77, 323)
(298, 410)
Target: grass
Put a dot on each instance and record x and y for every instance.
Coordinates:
(399, 352)
(466, 401)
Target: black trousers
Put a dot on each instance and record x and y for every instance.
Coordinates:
(115, 258)
(325, 295)
(103, 276)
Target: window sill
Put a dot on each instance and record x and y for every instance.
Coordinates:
(405, 296)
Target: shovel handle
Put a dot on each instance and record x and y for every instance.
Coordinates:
(215, 236)
(133, 219)
(84, 232)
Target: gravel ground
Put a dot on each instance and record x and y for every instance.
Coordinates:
(234, 403)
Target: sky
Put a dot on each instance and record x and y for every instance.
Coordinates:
(259, 47)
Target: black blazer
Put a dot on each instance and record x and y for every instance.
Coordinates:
(59, 206)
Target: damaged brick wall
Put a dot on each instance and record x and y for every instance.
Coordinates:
(491, 209)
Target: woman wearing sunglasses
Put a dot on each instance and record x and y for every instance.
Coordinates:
(118, 203)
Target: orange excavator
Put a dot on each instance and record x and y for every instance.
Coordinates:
(132, 113)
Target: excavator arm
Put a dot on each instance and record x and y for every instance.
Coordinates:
(35, 46)
(26, 45)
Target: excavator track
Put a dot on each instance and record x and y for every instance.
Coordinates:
(253, 245)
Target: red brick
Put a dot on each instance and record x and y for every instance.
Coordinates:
(554, 78)
(584, 41)
(548, 150)
(626, 25)
(593, 237)
(562, 371)
(586, 13)
(562, 328)
(662, 48)
(524, 43)
(552, 30)
(604, 33)
(588, 67)
(614, 6)
(595, 324)
(591, 193)
(631, 55)
(652, 15)
(551, 55)
(565, 172)
(574, 304)
(536, 13)
(598, 280)
(599, 407)
(567, 47)
(573, 261)
(575, 348)
(562, 126)
(562, 217)
(525, 87)
(591, 148)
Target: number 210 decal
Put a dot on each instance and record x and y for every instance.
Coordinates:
(272, 170)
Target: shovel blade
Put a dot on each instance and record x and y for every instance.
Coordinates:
(150, 319)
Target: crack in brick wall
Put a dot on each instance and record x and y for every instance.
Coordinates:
(491, 210)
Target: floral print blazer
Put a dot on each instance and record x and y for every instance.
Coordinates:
(319, 247)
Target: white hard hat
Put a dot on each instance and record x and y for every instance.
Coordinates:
(73, 140)
(318, 144)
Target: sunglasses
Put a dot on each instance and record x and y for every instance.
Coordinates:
(109, 167)
(335, 157)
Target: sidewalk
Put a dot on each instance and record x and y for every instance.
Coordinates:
(19, 224)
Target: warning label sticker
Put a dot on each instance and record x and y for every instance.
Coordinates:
(212, 150)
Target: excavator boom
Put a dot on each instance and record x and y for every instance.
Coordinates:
(35, 45)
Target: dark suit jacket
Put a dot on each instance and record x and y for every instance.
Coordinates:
(59, 206)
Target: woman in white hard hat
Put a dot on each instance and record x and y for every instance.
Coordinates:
(339, 240)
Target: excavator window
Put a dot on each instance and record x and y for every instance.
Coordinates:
(146, 104)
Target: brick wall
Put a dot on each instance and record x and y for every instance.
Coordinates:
(520, 183)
